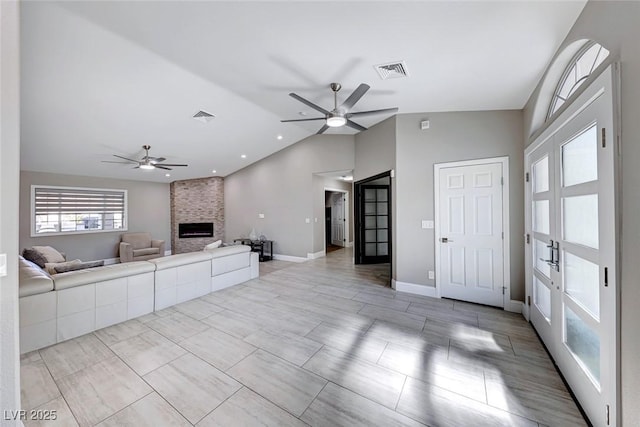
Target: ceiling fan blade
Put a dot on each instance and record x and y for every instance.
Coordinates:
(303, 120)
(162, 167)
(366, 113)
(355, 96)
(126, 158)
(322, 129)
(354, 125)
(120, 163)
(308, 103)
(168, 164)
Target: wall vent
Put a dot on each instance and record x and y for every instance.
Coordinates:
(392, 70)
(203, 116)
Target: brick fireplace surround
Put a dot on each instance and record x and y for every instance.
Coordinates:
(196, 200)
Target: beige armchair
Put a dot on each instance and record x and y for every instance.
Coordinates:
(140, 247)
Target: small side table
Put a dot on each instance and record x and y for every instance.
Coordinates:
(264, 248)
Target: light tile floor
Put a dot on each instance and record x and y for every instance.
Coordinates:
(321, 343)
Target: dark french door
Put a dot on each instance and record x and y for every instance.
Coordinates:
(373, 222)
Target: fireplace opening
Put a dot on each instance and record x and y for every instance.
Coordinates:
(192, 230)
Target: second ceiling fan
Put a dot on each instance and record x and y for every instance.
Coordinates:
(340, 115)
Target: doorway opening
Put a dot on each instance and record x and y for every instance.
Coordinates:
(373, 222)
(336, 219)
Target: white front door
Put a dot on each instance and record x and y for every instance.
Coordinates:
(470, 233)
(571, 256)
(337, 219)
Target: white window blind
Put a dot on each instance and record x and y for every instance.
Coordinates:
(62, 210)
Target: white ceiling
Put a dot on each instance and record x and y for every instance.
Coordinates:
(103, 78)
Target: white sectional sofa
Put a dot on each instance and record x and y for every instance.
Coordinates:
(66, 305)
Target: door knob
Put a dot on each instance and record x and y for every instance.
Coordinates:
(445, 240)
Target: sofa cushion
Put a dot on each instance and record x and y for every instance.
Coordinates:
(181, 259)
(213, 245)
(229, 250)
(42, 255)
(32, 279)
(145, 251)
(50, 267)
(100, 274)
(137, 240)
(78, 266)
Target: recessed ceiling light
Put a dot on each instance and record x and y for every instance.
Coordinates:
(303, 113)
(167, 174)
(213, 171)
(279, 137)
(244, 156)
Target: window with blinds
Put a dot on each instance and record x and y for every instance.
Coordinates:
(65, 210)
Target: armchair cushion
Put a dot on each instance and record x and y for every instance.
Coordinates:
(137, 240)
(145, 251)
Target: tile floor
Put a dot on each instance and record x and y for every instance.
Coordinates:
(321, 343)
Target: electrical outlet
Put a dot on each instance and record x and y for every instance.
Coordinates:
(260, 215)
(307, 220)
(432, 275)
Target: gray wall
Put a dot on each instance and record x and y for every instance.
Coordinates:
(281, 187)
(319, 184)
(376, 153)
(9, 175)
(148, 210)
(452, 137)
(615, 26)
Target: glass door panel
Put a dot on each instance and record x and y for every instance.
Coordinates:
(376, 219)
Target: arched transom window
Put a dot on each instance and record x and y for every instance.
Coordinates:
(577, 72)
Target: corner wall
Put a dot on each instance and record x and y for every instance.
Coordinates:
(281, 187)
(196, 200)
(148, 210)
(615, 25)
(9, 177)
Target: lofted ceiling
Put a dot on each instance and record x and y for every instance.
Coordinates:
(103, 78)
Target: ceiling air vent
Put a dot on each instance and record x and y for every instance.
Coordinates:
(392, 70)
(203, 116)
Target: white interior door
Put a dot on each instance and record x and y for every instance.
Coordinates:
(470, 232)
(571, 200)
(337, 219)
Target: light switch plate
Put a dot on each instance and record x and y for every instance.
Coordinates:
(427, 223)
(431, 275)
(307, 220)
(3, 265)
(260, 215)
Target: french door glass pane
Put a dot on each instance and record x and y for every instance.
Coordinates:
(369, 222)
(583, 342)
(370, 236)
(382, 208)
(542, 298)
(541, 175)
(370, 249)
(383, 222)
(541, 216)
(369, 208)
(382, 195)
(581, 282)
(383, 249)
(383, 235)
(541, 252)
(369, 195)
(580, 220)
(580, 158)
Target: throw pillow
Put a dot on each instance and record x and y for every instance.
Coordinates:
(51, 267)
(42, 255)
(80, 266)
(213, 245)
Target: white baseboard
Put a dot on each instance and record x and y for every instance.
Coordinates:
(315, 255)
(514, 306)
(412, 288)
(110, 261)
(167, 253)
(289, 258)
(349, 245)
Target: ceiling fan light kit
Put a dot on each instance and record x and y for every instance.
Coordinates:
(340, 115)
